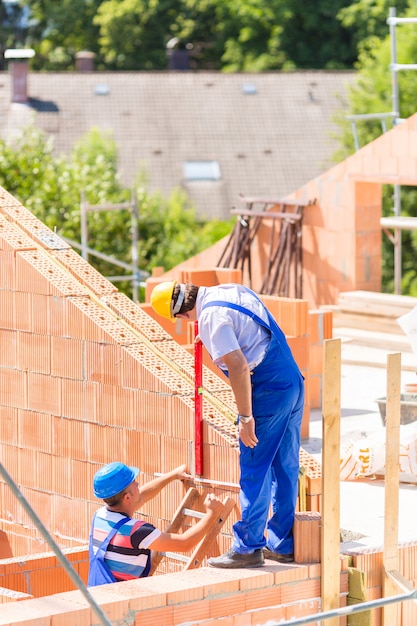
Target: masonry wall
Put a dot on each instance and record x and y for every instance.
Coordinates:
(88, 377)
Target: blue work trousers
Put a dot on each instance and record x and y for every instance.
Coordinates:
(269, 472)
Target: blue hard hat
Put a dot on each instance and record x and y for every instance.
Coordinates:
(113, 478)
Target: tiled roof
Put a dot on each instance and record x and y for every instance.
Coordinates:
(268, 142)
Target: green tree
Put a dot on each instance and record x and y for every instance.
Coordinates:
(372, 93)
(51, 187)
(367, 19)
(59, 29)
(313, 36)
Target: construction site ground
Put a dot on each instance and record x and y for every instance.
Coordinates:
(364, 379)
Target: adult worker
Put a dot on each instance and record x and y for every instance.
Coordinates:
(245, 341)
(120, 545)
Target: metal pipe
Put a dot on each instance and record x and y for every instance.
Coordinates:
(84, 233)
(135, 240)
(394, 77)
(346, 610)
(325, 615)
(59, 555)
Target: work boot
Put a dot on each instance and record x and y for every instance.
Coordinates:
(232, 559)
(276, 556)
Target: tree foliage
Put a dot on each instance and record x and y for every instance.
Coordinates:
(51, 188)
(227, 35)
(373, 93)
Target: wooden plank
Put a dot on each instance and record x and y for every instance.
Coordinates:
(290, 217)
(330, 532)
(377, 303)
(391, 612)
(202, 549)
(269, 200)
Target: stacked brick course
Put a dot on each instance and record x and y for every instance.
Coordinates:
(87, 377)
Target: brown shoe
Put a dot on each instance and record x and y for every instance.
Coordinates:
(275, 556)
(232, 559)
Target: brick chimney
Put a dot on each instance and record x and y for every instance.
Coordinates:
(19, 66)
(84, 61)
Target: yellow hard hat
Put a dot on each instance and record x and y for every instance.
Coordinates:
(161, 299)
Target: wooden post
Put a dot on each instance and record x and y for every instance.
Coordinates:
(391, 612)
(330, 531)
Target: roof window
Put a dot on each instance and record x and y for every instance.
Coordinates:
(249, 89)
(101, 90)
(201, 170)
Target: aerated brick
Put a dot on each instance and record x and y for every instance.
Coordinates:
(89, 321)
(103, 362)
(8, 425)
(7, 200)
(70, 518)
(136, 316)
(13, 388)
(143, 370)
(34, 352)
(8, 343)
(13, 239)
(116, 443)
(42, 235)
(44, 463)
(67, 357)
(7, 318)
(97, 438)
(151, 412)
(34, 430)
(73, 399)
(43, 393)
(84, 272)
(36, 273)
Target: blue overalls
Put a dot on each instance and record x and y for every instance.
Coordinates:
(269, 472)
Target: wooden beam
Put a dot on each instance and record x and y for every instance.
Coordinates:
(391, 612)
(290, 217)
(330, 532)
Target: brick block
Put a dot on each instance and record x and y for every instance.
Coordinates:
(34, 352)
(8, 343)
(307, 534)
(136, 315)
(44, 393)
(84, 272)
(13, 388)
(13, 239)
(36, 273)
(41, 234)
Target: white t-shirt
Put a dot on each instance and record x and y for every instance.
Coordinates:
(223, 330)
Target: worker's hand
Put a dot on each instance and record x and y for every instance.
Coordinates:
(212, 504)
(182, 473)
(197, 339)
(247, 433)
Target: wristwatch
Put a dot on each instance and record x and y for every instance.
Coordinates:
(245, 418)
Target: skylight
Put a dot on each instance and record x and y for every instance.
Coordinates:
(201, 170)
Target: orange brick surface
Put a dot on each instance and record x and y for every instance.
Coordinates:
(79, 386)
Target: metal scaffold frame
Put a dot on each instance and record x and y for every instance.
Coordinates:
(137, 275)
(394, 115)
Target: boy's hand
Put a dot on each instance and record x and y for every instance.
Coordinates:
(182, 473)
(212, 504)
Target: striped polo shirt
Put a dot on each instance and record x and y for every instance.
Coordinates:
(128, 553)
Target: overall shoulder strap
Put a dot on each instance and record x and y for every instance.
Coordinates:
(105, 543)
(241, 309)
